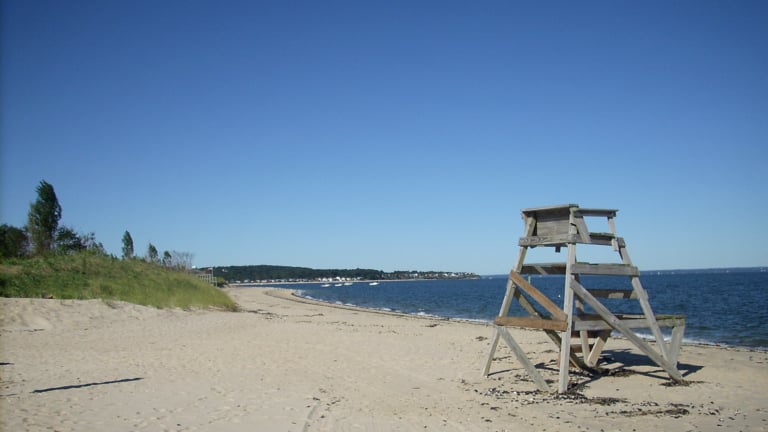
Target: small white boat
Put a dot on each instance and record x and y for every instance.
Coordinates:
(373, 283)
(325, 285)
(347, 283)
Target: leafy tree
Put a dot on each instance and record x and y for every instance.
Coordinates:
(68, 241)
(152, 254)
(13, 241)
(43, 219)
(127, 245)
(167, 259)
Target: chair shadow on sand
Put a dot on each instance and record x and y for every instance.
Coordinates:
(625, 362)
(77, 386)
(627, 358)
(619, 362)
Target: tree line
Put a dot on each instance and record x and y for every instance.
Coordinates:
(256, 273)
(274, 272)
(172, 259)
(42, 235)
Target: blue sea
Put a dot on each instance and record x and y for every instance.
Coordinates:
(723, 307)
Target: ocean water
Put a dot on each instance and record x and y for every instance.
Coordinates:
(727, 308)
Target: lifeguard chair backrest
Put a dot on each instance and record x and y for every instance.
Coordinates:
(558, 225)
(551, 221)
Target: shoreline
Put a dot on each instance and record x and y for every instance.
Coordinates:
(296, 297)
(364, 281)
(290, 364)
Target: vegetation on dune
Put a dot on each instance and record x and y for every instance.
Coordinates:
(46, 260)
(87, 275)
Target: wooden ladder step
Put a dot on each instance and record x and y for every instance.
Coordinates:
(581, 268)
(560, 240)
(605, 269)
(544, 268)
(595, 322)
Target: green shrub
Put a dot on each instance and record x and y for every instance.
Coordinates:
(87, 275)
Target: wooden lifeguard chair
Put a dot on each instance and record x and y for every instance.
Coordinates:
(565, 226)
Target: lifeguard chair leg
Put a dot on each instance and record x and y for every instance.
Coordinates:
(675, 342)
(617, 325)
(492, 351)
(541, 383)
(597, 348)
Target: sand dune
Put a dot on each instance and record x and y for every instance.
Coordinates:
(285, 365)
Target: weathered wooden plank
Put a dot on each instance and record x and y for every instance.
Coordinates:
(509, 294)
(617, 241)
(596, 322)
(581, 228)
(645, 305)
(600, 324)
(530, 225)
(599, 240)
(547, 209)
(563, 239)
(597, 212)
(605, 269)
(537, 295)
(557, 268)
(544, 268)
(584, 338)
(565, 344)
(602, 234)
(492, 350)
(597, 348)
(602, 237)
(531, 322)
(541, 383)
(674, 344)
(552, 226)
(617, 325)
(547, 240)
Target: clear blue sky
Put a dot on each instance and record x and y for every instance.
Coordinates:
(394, 135)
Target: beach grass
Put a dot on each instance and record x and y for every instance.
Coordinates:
(87, 275)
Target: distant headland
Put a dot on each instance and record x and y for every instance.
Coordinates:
(274, 274)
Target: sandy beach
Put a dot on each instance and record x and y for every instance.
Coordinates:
(287, 365)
